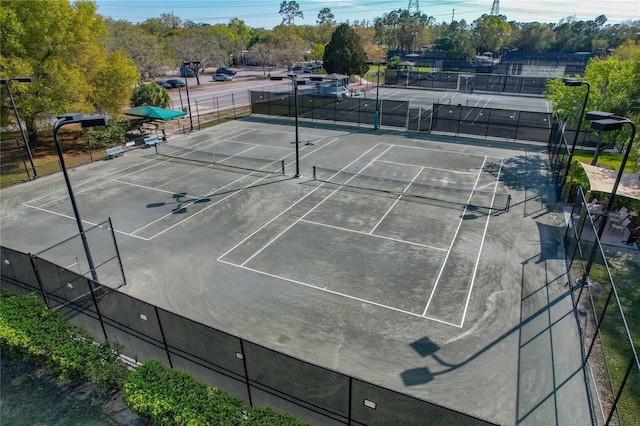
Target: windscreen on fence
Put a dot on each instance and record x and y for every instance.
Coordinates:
(488, 122)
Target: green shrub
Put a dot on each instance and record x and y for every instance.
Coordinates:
(31, 333)
(166, 396)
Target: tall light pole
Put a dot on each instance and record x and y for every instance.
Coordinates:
(6, 81)
(193, 66)
(89, 121)
(572, 82)
(295, 102)
(376, 116)
(607, 121)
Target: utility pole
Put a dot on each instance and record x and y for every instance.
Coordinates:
(495, 9)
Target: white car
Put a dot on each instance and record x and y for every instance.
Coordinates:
(222, 77)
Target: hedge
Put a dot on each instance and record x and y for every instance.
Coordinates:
(31, 333)
(166, 396)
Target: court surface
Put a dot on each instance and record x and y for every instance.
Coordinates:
(452, 301)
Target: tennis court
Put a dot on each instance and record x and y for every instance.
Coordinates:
(352, 226)
(408, 260)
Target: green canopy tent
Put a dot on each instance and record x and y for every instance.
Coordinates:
(155, 113)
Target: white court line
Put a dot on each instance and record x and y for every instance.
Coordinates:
(219, 138)
(155, 189)
(427, 167)
(358, 299)
(457, 153)
(397, 200)
(288, 208)
(101, 179)
(118, 175)
(311, 210)
(83, 221)
(215, 203)
(212, 192)
(484, 234)
(453, 240)
(411, 243)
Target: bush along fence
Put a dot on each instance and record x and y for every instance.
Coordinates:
(254, 374)
(31, 333)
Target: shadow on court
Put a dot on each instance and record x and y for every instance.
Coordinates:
(550, 388)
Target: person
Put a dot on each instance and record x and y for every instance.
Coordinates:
(164, 135)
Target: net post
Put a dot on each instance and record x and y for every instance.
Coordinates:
(282, 166)
(314, 172)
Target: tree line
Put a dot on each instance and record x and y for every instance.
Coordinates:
(85, 62)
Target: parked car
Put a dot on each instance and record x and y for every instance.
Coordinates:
(310, 67)
(296, 67)
(226, 71)
(222, 77)
(186, 72)
(163, 84)
(174, 82)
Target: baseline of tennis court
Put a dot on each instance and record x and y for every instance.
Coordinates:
(416, 257)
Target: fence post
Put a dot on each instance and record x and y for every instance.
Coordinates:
(115, 242)
(39, 279)
(246, 371)
(197, 113)
(164, 340)
(233, 104)
(350, 400)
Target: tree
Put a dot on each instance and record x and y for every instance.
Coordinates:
(61, 45)
(396, 29)
(455, 39)
(325, 17)
(198, 43)
(490, 32)
(290, 11)
(532, 37)
(150, 94)
(344, 53)
(148, 52)
(615, 87)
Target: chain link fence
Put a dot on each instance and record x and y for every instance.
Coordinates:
(610, 353)
(259, 375)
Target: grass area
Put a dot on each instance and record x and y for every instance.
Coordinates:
(31, 396)
(625, 270)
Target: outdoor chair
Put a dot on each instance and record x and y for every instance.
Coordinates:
(617, 219)
(620, 226)
(620, 215)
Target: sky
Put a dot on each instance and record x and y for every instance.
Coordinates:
(264, 13)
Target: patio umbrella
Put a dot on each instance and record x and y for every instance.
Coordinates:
(153, 112)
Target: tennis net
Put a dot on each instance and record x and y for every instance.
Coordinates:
(237, 161)
(450, 194)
